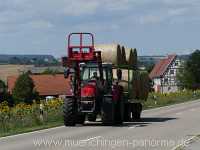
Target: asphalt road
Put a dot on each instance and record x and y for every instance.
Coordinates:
(160, 129)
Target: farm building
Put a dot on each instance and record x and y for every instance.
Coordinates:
(164, 74)
(45, 85)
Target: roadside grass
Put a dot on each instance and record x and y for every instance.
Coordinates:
(16, 131)
(159, 100)
(27, 118)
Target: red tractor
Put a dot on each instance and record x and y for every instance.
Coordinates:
(92, 89)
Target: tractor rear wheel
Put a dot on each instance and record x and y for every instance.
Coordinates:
(108, 110)
(69, 112)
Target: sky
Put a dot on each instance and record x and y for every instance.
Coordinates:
(154, 27)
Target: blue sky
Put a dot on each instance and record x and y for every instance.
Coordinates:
(152, 26)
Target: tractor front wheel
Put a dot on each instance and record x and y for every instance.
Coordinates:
(69, 112)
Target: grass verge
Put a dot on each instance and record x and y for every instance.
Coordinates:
(159, 100)
(31, 129)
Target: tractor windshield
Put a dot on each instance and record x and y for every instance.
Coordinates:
(88, 73)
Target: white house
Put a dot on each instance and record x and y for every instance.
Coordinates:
(164, 74)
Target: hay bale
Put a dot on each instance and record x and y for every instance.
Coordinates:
(113, 53)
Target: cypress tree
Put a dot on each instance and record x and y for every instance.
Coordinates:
(131, 58)
(119, 55)
(135, 63)
(3, 92)
(124, 62)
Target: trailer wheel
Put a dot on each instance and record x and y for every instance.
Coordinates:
(127, 112)
(119, 112)
(69, 112)
(136, 111)
(92, 117)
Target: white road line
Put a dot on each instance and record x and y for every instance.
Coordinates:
(179, 113)
(93, 138)
(132, 127)
(27, 133)
(185, 143)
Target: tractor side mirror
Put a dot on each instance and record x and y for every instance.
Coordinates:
(119, 74)
(66, 73)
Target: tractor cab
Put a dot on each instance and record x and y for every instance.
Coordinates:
(91, 73)
(94, 85)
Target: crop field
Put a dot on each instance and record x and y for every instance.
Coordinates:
(9, 70)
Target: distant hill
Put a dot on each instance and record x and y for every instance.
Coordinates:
(38, 60)
(152, 60)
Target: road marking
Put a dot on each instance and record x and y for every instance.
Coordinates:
(132, 127)
(179, 113)
(93, 138)
(184, 144)
(27, 133)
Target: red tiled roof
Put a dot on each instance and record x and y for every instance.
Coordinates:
(46, 85)
(161, 67)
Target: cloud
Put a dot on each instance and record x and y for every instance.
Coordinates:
(150, 19)
(178, 11)
(40, 24)
(56, 18)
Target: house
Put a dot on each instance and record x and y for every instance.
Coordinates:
(164, 74)
(45, 85)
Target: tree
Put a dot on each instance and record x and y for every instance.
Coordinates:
(24, 89)
(133, 60)
(3, 93)
(135, 64)
(119, 54)
(149, 67)
(123, 51)
(189, 76)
